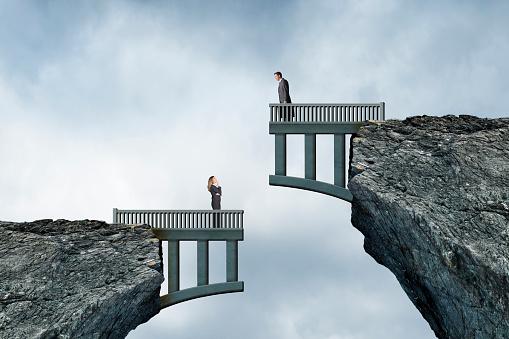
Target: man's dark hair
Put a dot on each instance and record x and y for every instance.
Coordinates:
(278, 73)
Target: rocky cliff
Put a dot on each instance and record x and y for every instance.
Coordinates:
(80, 279)
(431, 196)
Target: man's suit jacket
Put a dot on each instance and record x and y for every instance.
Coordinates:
(284, 91)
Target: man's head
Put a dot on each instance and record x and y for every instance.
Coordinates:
(278, 76)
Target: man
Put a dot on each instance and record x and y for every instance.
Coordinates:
(284, 93)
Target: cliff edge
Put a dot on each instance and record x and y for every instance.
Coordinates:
(77, 279)
(431, 197)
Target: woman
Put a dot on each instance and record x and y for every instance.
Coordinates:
(215, 191)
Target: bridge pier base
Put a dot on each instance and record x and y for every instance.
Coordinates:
(310, 156)
(202, 252)
(173, 266)
(339, 160)
(232, 260)
(280, 154)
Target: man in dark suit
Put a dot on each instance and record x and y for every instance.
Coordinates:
(284, 95)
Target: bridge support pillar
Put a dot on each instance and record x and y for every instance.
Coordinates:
(310, 156)
(232, 260)
(202, 249)
(173, 266)
(280, 154)
(339, 160)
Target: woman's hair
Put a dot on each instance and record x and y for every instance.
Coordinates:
(210, 183)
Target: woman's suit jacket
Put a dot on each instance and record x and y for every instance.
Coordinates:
(216, 199)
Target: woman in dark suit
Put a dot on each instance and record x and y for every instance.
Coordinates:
(215, 192)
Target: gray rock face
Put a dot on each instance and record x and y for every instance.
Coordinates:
(80, 279)
(431, 196)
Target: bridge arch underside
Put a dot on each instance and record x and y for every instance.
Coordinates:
(191, 293)
(310, 130)
(311, 185)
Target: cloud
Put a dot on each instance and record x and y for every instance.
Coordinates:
(430, 59)
(133, 105)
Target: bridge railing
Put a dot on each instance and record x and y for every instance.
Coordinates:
(326, 112)
(185, 219)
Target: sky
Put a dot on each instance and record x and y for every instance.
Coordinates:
(134, 104)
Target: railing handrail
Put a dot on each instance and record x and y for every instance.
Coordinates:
(325, 104)
(180, 211)
(182, 219)
(323, 112)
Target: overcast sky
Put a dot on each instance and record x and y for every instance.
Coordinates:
(134, 104)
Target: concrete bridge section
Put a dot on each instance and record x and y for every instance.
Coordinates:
(193, 225)
(310, 120)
